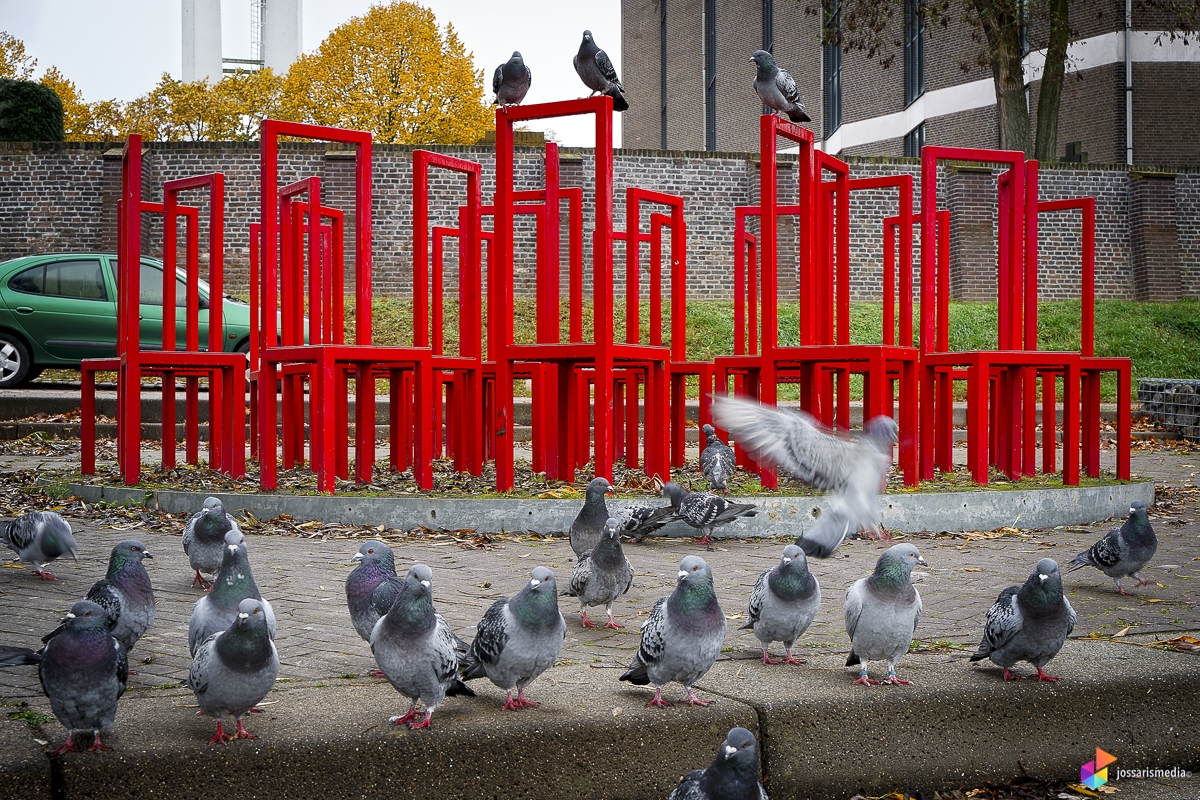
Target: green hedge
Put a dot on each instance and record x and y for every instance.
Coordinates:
(29, 112)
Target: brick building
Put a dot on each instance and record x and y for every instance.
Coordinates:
(695, 54)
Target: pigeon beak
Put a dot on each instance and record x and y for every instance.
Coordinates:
(729, 750)
(243, 615)
(233, 548)
(787, 559)
(1043, 577)
(922, 561)
(1132, 509)
(425, 584)
(534, 582)
(357, 557)
(682, 574)
(69, 616)
(146, 554)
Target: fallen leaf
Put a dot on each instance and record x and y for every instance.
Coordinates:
(524, 555)
(1153, 600)
(617, 711)
(972, 569)
(1121, 632)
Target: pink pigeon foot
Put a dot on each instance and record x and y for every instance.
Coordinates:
(587, 623)
(97, 744)
(692, 700)
(46, 576)
(220, 737)
(66, 746)
(863, 680)
(200, 581)
(704, 540)
(1008, 676)
(894, 681)
(242, 733)
(376, 673)
(658, 701)
(1042, 676)
(613, 625)
(1122, 592)
(512, 704)
(767, 657)
(522, 702)
(791, 659)
(408, 716)
(1143, 581)
(255, 710)
(424, 723)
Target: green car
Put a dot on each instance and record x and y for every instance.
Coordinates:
(56, 310)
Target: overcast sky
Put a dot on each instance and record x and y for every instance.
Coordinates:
(119, 48)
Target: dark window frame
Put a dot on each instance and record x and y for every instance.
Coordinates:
(914, 141)
(914, 51)
(831, 73)
(710, 74)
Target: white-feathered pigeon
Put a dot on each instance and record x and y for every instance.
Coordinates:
(511, 81)
(415, 649)
(38, 538)
(1028, 622)
(83, 670)
(776, 88)
(588, 525)
(601, 575)
(682, 637)
(233, 670)
(1123, 551)
(597, 73)
(705, 511)
(717, 461)
(204, 539)
(125, 594)
(783, 603)
(852, 471)
(635, 523)
(732, 776)
(518, 639)
(218, 609)
(882, 612)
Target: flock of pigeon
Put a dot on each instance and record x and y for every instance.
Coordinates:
(512, 79)
(83, 665)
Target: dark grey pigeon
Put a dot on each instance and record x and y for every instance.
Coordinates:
(1028, 622)
(416, 650)
(518, 639)
(83, 670)
(732, 776)
(882, 612)
(511, 81)
(783, 603)
(601, 575)
(635, 523)
(776, 88)
(218, 609)
(204, 539)
(851, 470)
(233, 670)
(705, 511)
(597, 73)
(1123, 551)
(717, 461)
(589, 522)
(682, 637)
(376, 563)
(38, 538)
(125, 594)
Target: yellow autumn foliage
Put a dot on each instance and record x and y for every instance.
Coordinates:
(14, 62)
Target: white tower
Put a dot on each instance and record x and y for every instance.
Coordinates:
(282, 34)
(202, 40)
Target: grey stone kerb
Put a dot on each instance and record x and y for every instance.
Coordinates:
(780, 516)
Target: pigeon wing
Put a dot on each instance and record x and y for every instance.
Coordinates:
(758, 596)
(491, 634)
(654, 634)
(607, 70)
(580, 575)
(854, 605)
(1004, 621)
(787, 86)
(497, 78)
(385, 594)
(107, 596)
(1104, 553)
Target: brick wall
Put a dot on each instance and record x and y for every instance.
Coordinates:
(1154, 243)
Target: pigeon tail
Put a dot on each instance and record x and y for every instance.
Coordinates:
(853, 659)
(637, 674)
(18, 656)
(798, 115)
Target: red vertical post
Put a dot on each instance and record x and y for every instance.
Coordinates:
(269, 232)
(501, 332)
(602, 276)
(739, 281)
(129, 381)
(633, 265)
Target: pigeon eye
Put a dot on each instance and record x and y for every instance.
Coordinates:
(372, 550)
(256, 611)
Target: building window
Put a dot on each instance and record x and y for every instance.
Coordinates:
(710, 74)
(662, 68)
(914, 140)
(768, 14)
(914, 51)
(832, 63)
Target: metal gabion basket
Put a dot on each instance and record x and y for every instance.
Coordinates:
(1172, 403)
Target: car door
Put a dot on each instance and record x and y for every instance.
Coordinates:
(150, 295)
(65, 307)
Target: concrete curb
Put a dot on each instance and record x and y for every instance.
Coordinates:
(780, 516)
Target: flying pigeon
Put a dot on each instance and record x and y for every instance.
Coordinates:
(1028, 622)
(776, 88)
(704, 510)
(125, 594)
(416, 650)
(717, 461)
(732, 776)
(511, 81)
(39, 537)
(852, 471)
(597, 72)
(783, 603)
(601, 575)
(518, 639)
(1123, 551)
(204, 539)
(882, 612)
(682, 637)
(83, 670)
(235, 669)
(218, 609)
(589, 522)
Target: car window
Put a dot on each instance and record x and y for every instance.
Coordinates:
(82, 280)
(150, 287)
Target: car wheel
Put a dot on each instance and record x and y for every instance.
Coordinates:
(15, 363)
(244, 348)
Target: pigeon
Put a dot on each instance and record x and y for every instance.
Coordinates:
(732, 776)
(1028, 623)
(416, 650)
(717, 461)
(511, 81)
(125, 594)
(601, 575)
(204, 539)
(518, 639)
(589, 522)
(597, 72)
(1123, 551)
(682, 637)
(852, 471)
(638, 522)
(776, 88)
(39, 537)
(783, 603)
(704, 510)
(234, 669)
(218, 609)
(83, 670)
(882, 612)
(376, 563)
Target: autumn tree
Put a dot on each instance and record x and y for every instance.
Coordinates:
(14, 63)
(393, 72)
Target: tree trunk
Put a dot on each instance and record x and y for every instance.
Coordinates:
(1050, 96)
(1001, 22)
